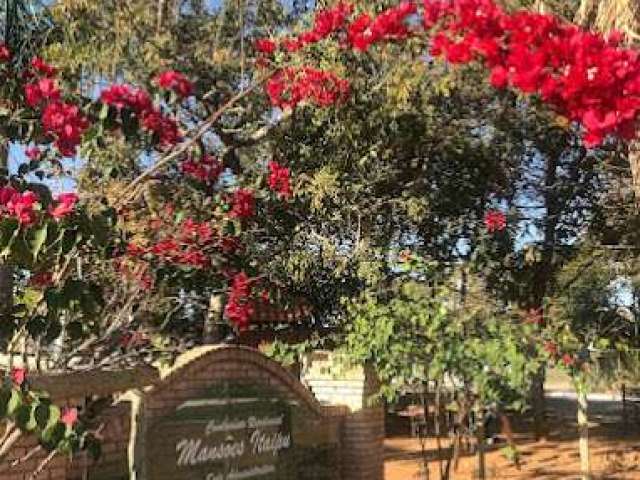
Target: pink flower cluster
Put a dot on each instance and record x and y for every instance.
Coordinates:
(125, 96)
(239, 307)
(33, 153)
(207, 169)
(21, 206)
(138, 101)
(584, 76)
(63, 121)
(40, 67)
(279, 180)
(184, 249)
(326, 22)
(242, 204)
(175, 81)
(24, 206)
(290, 87)
(67, 124)
(495, 221)
(42, 90)
(63, 206)
(389, 25)
(5, 53)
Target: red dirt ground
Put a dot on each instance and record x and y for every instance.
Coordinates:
(615, 450)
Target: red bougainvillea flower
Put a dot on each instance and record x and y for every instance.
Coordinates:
(290, 86)
(135, 250)
(175, 81)
(18, 376)
(43, 68)
(43, 90)
(67, 124)
(534, 316)
(69, 416)
(192, 232)
(568, 360)
(585, 77)
(551, 348)
(207, 169)
(22, 207)
(64, 205)
(266, 46)
(125, 96)
(5, 53)
(389, 25)
(133, 339)
(495, 221)
(41, 280)
(279, 180)
(6, 194)
(242, 204)
(326, 22)
(163, 127)
(239, 308)
(33, 153)
(230, 245)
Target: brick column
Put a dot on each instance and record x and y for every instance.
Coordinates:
(362, 429)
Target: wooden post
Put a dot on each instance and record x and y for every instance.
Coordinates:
(136, 448)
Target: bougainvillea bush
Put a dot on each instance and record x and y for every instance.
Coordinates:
(164, 214)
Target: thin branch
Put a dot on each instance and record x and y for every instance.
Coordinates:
(184, 146)
(42, 465)
(9, 442)
(30, 453)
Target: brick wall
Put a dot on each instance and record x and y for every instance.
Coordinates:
(71, 390)
(335, 382)
(211, 365)
(341, 410)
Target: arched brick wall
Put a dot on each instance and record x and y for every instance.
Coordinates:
(209, 367)
(202, 366)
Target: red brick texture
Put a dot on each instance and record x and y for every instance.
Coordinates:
(360, 433)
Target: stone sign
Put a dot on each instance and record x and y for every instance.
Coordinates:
(237, 429)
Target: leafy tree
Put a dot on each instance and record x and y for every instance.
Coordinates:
(411, 337)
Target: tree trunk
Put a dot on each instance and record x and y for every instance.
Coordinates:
(480, 434)
(211, 329)
(436, 428)
(6, 272)
(6, 289)
(634, 164)
(583, 428)
(539, 405)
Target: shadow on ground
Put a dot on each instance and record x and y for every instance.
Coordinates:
(614, 441)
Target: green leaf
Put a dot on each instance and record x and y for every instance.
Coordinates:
(15, 402)
(37, 326)
(53, 435)
(42, 414)
(25, 418)
(5, 396)
(54, 416)
(104, 112)
(75, 330)
(39, 237)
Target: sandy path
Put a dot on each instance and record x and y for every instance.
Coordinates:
(615, 450)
